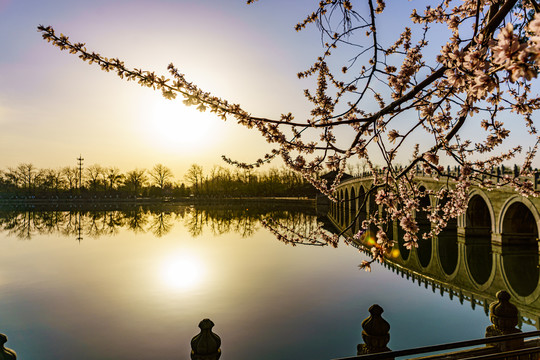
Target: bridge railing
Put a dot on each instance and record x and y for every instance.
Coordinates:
(491, 351)
(495, 172)
(503, 340)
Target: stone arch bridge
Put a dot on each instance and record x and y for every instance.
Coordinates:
(493, 246)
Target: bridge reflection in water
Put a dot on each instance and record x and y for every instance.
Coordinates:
(493, 246)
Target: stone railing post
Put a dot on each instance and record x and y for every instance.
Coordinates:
(5, 353)
(205, 345)
(504, 317)
(375, 333)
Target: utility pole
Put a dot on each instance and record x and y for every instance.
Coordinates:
(80, 162)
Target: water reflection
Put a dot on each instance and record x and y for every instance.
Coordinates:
(162, 269)
(157, 220)
(521, 268)
(479, 257)
(143, 277)
(520, 249)
(448, 250)
(472, 268)
(404, 251)
(473, 263)
(182, 271)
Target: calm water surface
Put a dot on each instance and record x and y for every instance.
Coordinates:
(135, 284)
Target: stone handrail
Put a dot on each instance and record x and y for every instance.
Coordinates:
(5, 353)
(501, 336)
(455, 171)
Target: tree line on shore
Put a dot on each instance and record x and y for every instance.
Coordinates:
(26, 181)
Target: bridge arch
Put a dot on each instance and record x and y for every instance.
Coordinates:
(340, 208)
(346, 206)
(490, 243)
(466, 221)
(371, 204)
(353, 204)
(518, 225)
(479, 223)
(362, 208)
(336, 206)
(446, 244)
(404, 252)
(425, 246)
(511, 204)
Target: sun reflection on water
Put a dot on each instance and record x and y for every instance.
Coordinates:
(182, 271)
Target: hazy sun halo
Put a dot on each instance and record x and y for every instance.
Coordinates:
(171, 125)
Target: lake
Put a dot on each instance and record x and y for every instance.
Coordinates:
(134, 282)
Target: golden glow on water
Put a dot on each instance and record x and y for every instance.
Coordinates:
(137, 292)
(182, 272)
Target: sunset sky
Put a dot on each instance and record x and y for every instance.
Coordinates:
(54, 107)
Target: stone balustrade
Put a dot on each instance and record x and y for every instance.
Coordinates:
(376, 333)
(5, 353)
(495, 172)
(206, 344)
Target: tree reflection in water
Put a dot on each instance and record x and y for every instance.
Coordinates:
(158, 220)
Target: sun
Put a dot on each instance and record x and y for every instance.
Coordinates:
(171, 125)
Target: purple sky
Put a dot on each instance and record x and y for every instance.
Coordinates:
(54, 107)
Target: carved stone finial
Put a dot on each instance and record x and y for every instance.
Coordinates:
(503, 314)
(206, 345)
(375, 332)
(5, 353)
(504, 317)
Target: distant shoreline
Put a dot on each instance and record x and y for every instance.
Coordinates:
(119, 202)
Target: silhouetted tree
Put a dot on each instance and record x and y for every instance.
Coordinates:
(161, 176)
(95, 176)
(71, 174)
(114, 177)
(135, 180)
(194, 177)
(27, 174)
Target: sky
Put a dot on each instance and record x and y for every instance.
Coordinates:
(54, 107)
